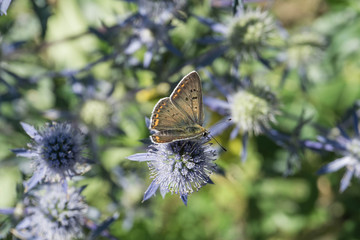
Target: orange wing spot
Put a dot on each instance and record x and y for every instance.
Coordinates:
(156, 115)
(158, 110)
(156, 122)
(175, 95)
(178, 90)
(161, 106)
(182, 85)
(156, 139)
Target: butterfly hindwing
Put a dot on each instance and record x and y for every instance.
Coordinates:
(161, 137)
(187, 97)
(172, 135)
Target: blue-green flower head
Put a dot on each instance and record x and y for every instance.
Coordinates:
(180, 167)
(57, 153)
(52, 214)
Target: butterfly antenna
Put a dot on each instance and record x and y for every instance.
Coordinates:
(224, 149)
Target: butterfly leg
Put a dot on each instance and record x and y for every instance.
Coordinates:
(193, 148)
(182, 147)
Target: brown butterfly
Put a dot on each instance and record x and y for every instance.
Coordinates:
(180, 116)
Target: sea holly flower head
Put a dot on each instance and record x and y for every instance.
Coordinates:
(304, 49)
(353, 148)
(250, 110)
(250, 31)
(150, 28)
(52, 214)
(98, 106)
(304, 53)
(180, 167)
(253, 109)
(242, 37)
(57, 153)
(160, 11)
(96, 113)
(338, 141)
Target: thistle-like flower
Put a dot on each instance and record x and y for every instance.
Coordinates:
(160, 11)
(96, 113)
(304, 49)
(243, 37)
(150, 29)
(253, 109)
(52, 214)
(348, 147)
(98, 106)
(180, 167)
(250, 109)
(250, 31)
(57, 153)
(303, 54)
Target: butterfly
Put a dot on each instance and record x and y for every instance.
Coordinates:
(180, 116)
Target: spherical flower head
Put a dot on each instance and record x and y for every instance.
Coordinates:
(57, 152)
(52, 214)
(250, 31)
(253, 109)
(96, 113)
(182, 167)
(305, 48)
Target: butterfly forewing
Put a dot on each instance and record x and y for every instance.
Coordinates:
(180, 116)
(187, 97)
(166, 116)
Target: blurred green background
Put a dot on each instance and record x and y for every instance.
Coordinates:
(250, 200)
